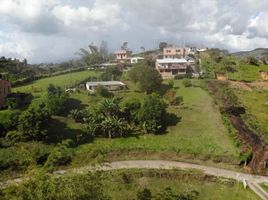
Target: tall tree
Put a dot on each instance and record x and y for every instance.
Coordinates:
(124, 46)
(148, 78)
(104, 50)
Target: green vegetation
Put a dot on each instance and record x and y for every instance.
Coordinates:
(198, 134)
(255, 102)
(130, 184)
(184, 128)
(67, 80)
(233, 67)
(264, 186)
(146, 77)
(56, 100)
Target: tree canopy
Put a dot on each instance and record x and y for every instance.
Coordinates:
(147, 78)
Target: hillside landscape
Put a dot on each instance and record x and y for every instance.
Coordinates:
(133, 100)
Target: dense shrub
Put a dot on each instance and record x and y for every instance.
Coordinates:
(79, 115)
(18, 100)
(147, 78)
(187, 83)
(69, 187)
(56, 100)
(172, 99)
(152, 114)
(103, 91)
(60, 155)
(2, 131)
(111, 74)
(145, 194)
(169, 194)
(33, 123)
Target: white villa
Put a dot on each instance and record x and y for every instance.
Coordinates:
(171, 67)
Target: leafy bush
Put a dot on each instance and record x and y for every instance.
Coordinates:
(187, 83)
(252, 60)
(33, 123)
(168, 194)
(145, 194)
(2, 131)
(170, 96)
(103, 91)
(79, 115)
(69, 187)
(60, 155)
(148, 78)
(18, 100)
(56, 100)
(152, 114)
(111, 74)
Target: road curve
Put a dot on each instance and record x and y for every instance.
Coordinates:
(252, 180)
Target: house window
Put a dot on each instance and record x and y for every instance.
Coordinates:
(178, 50)
(168, 51)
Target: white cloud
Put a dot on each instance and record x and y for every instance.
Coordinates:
(52, 30)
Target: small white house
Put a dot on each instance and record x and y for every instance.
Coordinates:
(110, 85)
(134, 60)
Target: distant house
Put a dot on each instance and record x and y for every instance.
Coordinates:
(134, 60)
(122, 55)
(178, 52)
(110, 85)
(173, 52)
(201, 49)
(190, 50)
(5, 90)
(170, 68)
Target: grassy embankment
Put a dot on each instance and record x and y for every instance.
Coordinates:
(255, 102)
(125, 184)
(233, 67)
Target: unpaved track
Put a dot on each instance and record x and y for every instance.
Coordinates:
(253, 180)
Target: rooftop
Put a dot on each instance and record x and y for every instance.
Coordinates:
(105, 83)
(171, 60)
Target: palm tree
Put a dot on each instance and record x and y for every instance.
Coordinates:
(110, 107)
(113, 126)
(91, 56)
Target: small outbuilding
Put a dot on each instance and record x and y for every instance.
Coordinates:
(221, 76)
(110, 85)
(264, 75)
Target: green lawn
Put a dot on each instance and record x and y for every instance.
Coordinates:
(200, 132)
(256, 104)
(66, 80)
(178, 181)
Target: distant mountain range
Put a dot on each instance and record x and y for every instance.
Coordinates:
(257, 53)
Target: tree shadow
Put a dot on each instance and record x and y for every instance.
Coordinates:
(163, 89)
(172, 119)
(59, 131)
(72, 104)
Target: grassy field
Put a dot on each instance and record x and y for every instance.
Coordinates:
(256, 105)
(247, 72)
(178, 181)
(66, 80)
(200, 132)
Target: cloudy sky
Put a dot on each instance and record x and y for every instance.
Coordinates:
(53, 30)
